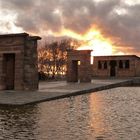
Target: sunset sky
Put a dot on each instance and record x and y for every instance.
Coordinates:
(106, 26)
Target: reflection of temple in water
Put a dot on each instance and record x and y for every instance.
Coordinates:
(79, 67)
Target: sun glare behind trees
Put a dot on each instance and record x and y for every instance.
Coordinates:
(52, 59)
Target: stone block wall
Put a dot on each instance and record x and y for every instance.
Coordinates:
(137, 66)
(24, 49)
(78, 66)
(103, 66)
(120, 72)
(31, 64)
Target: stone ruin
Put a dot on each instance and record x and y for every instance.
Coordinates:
(78, 66)
(80, 69)
(18, 62)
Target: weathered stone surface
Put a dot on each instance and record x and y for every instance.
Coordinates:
(82, 71)
(132, 71)
(103, 66)
(23, 48)
(60, 89)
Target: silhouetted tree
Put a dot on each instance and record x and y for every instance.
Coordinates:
(52, 58)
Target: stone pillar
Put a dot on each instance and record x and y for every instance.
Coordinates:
(82, 72)
(2, 76)
(72, 69)
(21, 50)
(85, 69)
(19, 73)
(123, 64)
(31, 65)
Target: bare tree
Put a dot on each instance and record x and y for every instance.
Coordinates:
(52, 58)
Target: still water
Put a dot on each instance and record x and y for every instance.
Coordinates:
(107, 115)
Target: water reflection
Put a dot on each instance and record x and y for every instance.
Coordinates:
(97, 116)
(108, 115)
(116, 113)
(18, 122)
(69, 119)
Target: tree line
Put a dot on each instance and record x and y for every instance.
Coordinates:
(52, 59)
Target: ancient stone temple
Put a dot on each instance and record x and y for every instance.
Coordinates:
(116, 66)
(18, 62)
(78, 66)
(121, 66)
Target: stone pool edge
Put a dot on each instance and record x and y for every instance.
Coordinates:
(127, 83)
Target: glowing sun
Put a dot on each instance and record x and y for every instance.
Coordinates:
(92, 40)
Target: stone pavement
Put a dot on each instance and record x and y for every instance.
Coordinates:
(60, 89)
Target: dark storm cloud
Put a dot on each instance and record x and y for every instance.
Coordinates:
(17, 4)
(79, 15)
(126, 27)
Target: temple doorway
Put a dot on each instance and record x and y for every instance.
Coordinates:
(75, 70)
(113, 68)
(9, 71)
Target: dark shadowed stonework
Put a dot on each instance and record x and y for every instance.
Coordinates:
(18, 62)
(116, 66)
(78, 66)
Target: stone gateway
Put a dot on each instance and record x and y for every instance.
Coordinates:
(79, 67)
(18, 62)
(119, 66)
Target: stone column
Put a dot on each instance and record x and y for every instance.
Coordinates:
(19, 74)
(30, 65)
(2, 76)
(123, 62)
(85, 68)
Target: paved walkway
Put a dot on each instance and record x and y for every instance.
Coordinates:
(60, 89)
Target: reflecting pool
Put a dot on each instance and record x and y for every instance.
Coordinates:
(106, 115)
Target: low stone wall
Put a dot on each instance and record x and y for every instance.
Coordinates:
(136, 82)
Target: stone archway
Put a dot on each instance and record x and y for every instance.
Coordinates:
(18, 62)
(9, 70)
(82, 71)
